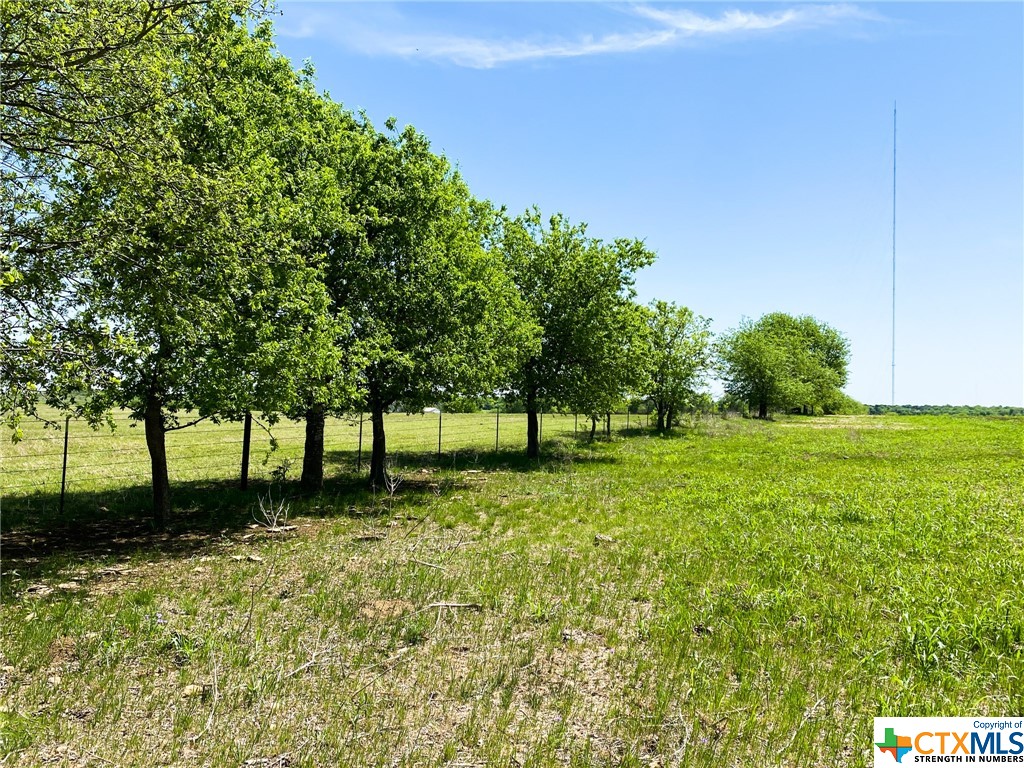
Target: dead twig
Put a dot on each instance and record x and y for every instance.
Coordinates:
(315, 657)
(426, 564)
(216, 696)
(252, 597)
(389, 665)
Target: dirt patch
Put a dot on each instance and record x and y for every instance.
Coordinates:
(62, 650)
(377, 610)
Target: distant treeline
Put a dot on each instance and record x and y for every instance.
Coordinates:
(946, 410)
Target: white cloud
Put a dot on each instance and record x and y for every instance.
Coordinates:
(481, 53)
(384, 37)
(691, 24)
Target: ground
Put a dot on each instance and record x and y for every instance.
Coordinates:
(738, 593)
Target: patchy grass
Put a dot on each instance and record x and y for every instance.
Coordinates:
(737, 594)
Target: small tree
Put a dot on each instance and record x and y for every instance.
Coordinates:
(679, 359)
(783, 362)
(579, 292)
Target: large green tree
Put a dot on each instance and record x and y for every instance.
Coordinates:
(435, 316)
(190, 277)
(679, 359)
(74, 76)
(782, 362)
(579, 292)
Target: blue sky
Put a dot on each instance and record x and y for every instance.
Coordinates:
(750, 145)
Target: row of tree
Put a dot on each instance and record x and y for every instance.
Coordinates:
(945, 410)
(190, 228)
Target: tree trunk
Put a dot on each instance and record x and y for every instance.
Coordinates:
(661, 419)
(593, 427)
(762, 409)
(155, 442)
(532, 428)
(608, 425)
(379, 452)
(670, 417)
(313, 451)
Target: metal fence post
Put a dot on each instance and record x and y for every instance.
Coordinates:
(497, 426)
(540, 428)
(246, 439)
(575, 418)
(359, 453)
(64, 468)
(439, 433)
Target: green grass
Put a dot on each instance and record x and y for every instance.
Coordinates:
(738, 594)
(113, 458)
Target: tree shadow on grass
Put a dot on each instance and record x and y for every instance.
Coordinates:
(105, 526)
(554, 454)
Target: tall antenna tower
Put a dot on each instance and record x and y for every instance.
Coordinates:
(893, 393)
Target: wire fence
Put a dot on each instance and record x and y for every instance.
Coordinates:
(52, 461)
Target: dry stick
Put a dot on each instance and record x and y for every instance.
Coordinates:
(252, 598)
(216, 695)
(426, 564)
(470, 606)
(314, 658)
(302, 668)
(418, 524)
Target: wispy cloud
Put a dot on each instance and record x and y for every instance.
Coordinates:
(666, 27)
(733, 22)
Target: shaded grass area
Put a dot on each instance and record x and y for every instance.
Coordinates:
(736, 594)
(114, 457)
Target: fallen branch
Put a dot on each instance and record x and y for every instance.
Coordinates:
(318, 654)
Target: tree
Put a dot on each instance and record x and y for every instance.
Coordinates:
(74, 76)
(783, 362)
(341, 149)
(73, 72)
(579, 292)
(679, 358)
(189, 280)
(435, 316)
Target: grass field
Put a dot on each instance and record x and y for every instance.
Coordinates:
(741, 593)
(115, 459)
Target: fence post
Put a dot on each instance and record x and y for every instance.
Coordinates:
(359, 453)
(246, 438)
(575, 417)
(497, 419)
(627, 419)
(64, 468)
(540, 428)
(439, 433)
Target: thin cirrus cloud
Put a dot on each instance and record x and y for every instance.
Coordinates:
(663, 27)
